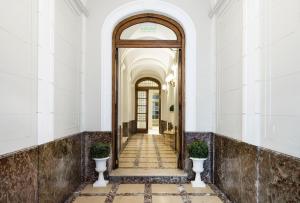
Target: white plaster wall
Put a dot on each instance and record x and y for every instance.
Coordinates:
(45, 113)
(18, 74)
(67, 70)
(229, 43)
(281, 71)
(40, 67)
(262, 101)
(203, 106)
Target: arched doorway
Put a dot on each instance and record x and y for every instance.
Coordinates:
(146, 117)
(175, 41)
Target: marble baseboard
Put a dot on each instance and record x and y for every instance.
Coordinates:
(247, 173)
(88, 165)
(59, 169)
(19, 176)
(207, 175)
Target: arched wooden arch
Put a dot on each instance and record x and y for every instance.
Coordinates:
(153, 18)
(179, 43)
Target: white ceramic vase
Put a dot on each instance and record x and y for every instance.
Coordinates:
(100, 168)
(198, 168)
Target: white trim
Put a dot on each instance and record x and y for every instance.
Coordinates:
(142, 6)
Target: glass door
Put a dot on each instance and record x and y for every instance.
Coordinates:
(142, 111)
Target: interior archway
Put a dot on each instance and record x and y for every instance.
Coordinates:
(177, 44)
(158, 7)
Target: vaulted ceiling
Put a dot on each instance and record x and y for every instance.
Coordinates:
(155, 62)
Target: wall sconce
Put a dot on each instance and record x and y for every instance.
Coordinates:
(172, 83)
(170, 79)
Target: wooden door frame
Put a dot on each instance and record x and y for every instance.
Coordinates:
(147, 89)
(120, 43)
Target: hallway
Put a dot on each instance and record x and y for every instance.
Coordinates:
(149, 100)
(148, 151)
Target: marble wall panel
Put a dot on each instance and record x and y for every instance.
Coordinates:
(279, 177)
(247, 173)
(18, 177)
(59, 169)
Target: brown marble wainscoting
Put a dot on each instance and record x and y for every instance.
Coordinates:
(50, 172)
(247, 173)
(279, 177)
(207, 137)
(170, 126)
(129, 128)
(59, 171)
(132, 127)
(163, 126)
(19, 176)
(88, 165)
(125, 130)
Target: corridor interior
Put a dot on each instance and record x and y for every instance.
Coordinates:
(148, 151)
(148, 103)
(130, 101)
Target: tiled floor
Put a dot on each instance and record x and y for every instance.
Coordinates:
(140, 193)
(147, 151)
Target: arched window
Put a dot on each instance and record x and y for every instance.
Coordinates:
(148, 83)
(148, 31)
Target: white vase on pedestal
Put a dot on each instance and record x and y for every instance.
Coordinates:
(100, 168)
(198, 168)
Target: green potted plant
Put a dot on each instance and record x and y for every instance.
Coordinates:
(100, 153)
(198, 152)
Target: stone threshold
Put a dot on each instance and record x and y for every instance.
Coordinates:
(146, 172)
(166, 176)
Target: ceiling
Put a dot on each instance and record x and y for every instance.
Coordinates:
(154, 62)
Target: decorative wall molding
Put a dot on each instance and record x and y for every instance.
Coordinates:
(219, 6)
(78, 7)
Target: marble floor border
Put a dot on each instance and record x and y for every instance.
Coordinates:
(148, 194)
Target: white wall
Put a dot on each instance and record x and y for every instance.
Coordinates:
(263, 105)
(67, 70)
(40, 67)
(229, 43)
(198, 12)
(18, 74)
(281, 71)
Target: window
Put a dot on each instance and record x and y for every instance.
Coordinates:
(147, 83)
(148, 31)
